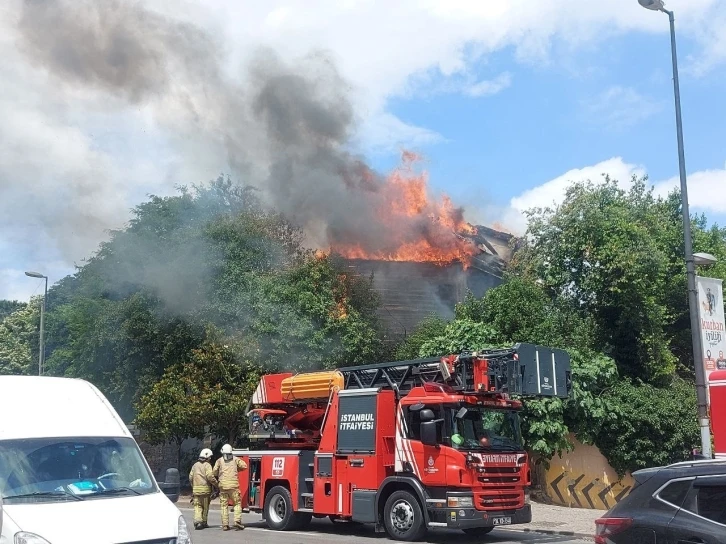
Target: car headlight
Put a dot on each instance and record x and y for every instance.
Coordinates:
(29, 538)
(183, 536)
(460, 502)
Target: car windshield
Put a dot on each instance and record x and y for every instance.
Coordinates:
(476, 428)
(62, 469)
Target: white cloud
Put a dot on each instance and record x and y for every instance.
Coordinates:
(489, 87)
(552, 192)
(706, 190)
(620, 107)
(386, 133)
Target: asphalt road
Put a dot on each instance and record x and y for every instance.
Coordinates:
(324, 531)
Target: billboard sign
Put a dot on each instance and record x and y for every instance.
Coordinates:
(711, 321)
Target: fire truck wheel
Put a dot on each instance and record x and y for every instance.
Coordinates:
(279, 513)
(403, 517)
(478, 531)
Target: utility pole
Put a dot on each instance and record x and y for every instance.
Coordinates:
(41, 354)
(701, 393)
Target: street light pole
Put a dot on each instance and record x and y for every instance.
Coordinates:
(41, 354)
(701, 394)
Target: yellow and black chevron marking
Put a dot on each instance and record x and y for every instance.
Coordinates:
(593, 492)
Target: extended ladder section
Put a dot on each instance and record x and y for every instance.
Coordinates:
(524, 370)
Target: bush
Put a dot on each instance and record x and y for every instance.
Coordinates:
(651, 426)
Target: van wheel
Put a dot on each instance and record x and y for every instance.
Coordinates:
(478, 531)
(279, 513)
(403, 517)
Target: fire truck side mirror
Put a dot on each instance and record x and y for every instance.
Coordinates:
(428, 433)
(427, 415)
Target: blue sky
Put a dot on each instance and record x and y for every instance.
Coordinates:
(612, 101)
(508, 100)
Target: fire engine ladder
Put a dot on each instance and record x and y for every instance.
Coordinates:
(402, 376)
(522, 370)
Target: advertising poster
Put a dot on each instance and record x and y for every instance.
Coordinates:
(711, 319)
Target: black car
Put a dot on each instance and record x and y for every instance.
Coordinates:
(684, 503)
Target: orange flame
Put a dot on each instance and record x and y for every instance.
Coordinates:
(421, 229)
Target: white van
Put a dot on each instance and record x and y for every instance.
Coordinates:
(72, 473)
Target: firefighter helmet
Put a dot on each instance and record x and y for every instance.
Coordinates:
(205, 454)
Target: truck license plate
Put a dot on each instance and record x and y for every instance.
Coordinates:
(502, 521)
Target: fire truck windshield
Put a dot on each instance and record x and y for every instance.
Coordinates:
(476, 428)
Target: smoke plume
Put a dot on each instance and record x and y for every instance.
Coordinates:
(283, 127)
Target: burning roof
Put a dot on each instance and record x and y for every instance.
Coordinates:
(412, 225)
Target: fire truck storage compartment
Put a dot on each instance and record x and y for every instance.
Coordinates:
(357, 421)
(254, 474)
(364, 506)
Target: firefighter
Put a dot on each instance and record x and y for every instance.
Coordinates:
(202, 479)
(225, 470)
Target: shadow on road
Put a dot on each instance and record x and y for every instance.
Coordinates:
(434, 536)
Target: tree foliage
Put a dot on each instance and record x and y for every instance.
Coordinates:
(208, 393)
(19, 338)
(652, 426)
(7, 307)
(615, 256)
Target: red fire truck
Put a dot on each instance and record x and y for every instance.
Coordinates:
(405, 445)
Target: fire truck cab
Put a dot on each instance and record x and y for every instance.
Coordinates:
(405, 446)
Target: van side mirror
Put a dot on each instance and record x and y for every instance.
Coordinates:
(429, 432)
(171, 485)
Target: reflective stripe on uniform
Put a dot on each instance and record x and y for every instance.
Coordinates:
(202, 478)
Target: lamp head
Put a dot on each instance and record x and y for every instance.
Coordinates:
(35, 275)
(655, 5)
(704, 259)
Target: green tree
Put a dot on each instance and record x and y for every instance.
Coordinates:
(225, 380)
(615, 256)
(650, 426)
(169, 411)
(7, 307)
(18, 339)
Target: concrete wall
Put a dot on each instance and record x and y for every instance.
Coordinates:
(583, 478)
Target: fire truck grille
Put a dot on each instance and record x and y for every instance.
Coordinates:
(500, 475)
(504, 498)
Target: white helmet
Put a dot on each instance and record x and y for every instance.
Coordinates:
(205, 454)
(226, 449)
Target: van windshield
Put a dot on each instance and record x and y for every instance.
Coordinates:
(62, 469)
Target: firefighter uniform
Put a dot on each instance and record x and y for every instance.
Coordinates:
(225, 470)
(202, 479)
